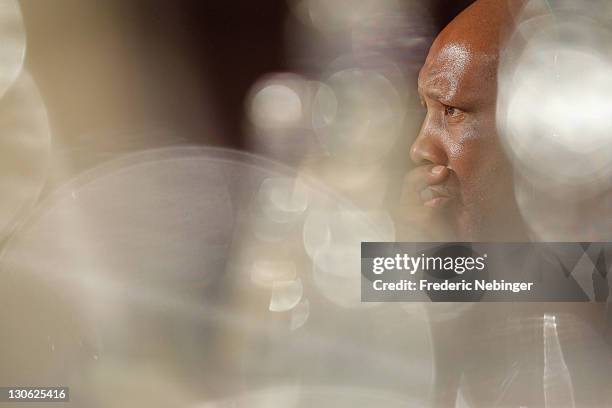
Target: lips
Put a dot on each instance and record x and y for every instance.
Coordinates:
(436, 196)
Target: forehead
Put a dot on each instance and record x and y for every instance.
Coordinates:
(456, 71)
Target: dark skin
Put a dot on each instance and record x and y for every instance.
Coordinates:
(463, 179)
(462, 188)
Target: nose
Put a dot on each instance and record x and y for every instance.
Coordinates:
(428, 147)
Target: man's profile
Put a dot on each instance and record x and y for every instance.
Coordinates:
(462, 174)
(464, 181)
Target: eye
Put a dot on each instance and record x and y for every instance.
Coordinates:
(451, 111)
(452, 114)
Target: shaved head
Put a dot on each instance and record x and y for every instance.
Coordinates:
(458, 85)
(470, 43)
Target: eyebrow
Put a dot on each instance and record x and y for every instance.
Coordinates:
(432, 86)
(434, 92)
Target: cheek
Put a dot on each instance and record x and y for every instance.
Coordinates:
(463, 147)
(476, 157)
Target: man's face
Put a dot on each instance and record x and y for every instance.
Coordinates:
(457, 85)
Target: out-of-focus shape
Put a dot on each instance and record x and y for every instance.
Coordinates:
(335, 272)
(316, 231)
(278, 109)
(333, 240)
(163, 218)
(300, 314)
(334, 226)
(24, 149)
(279, 208)
(558, 388)
(357, 115)
(556, 105)
(12, 43)
(461, 402)
(265, 273)
(128, 263)
(276, 101)
(554, 114)
(285, 295)
(283, 199)
(97, 269)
